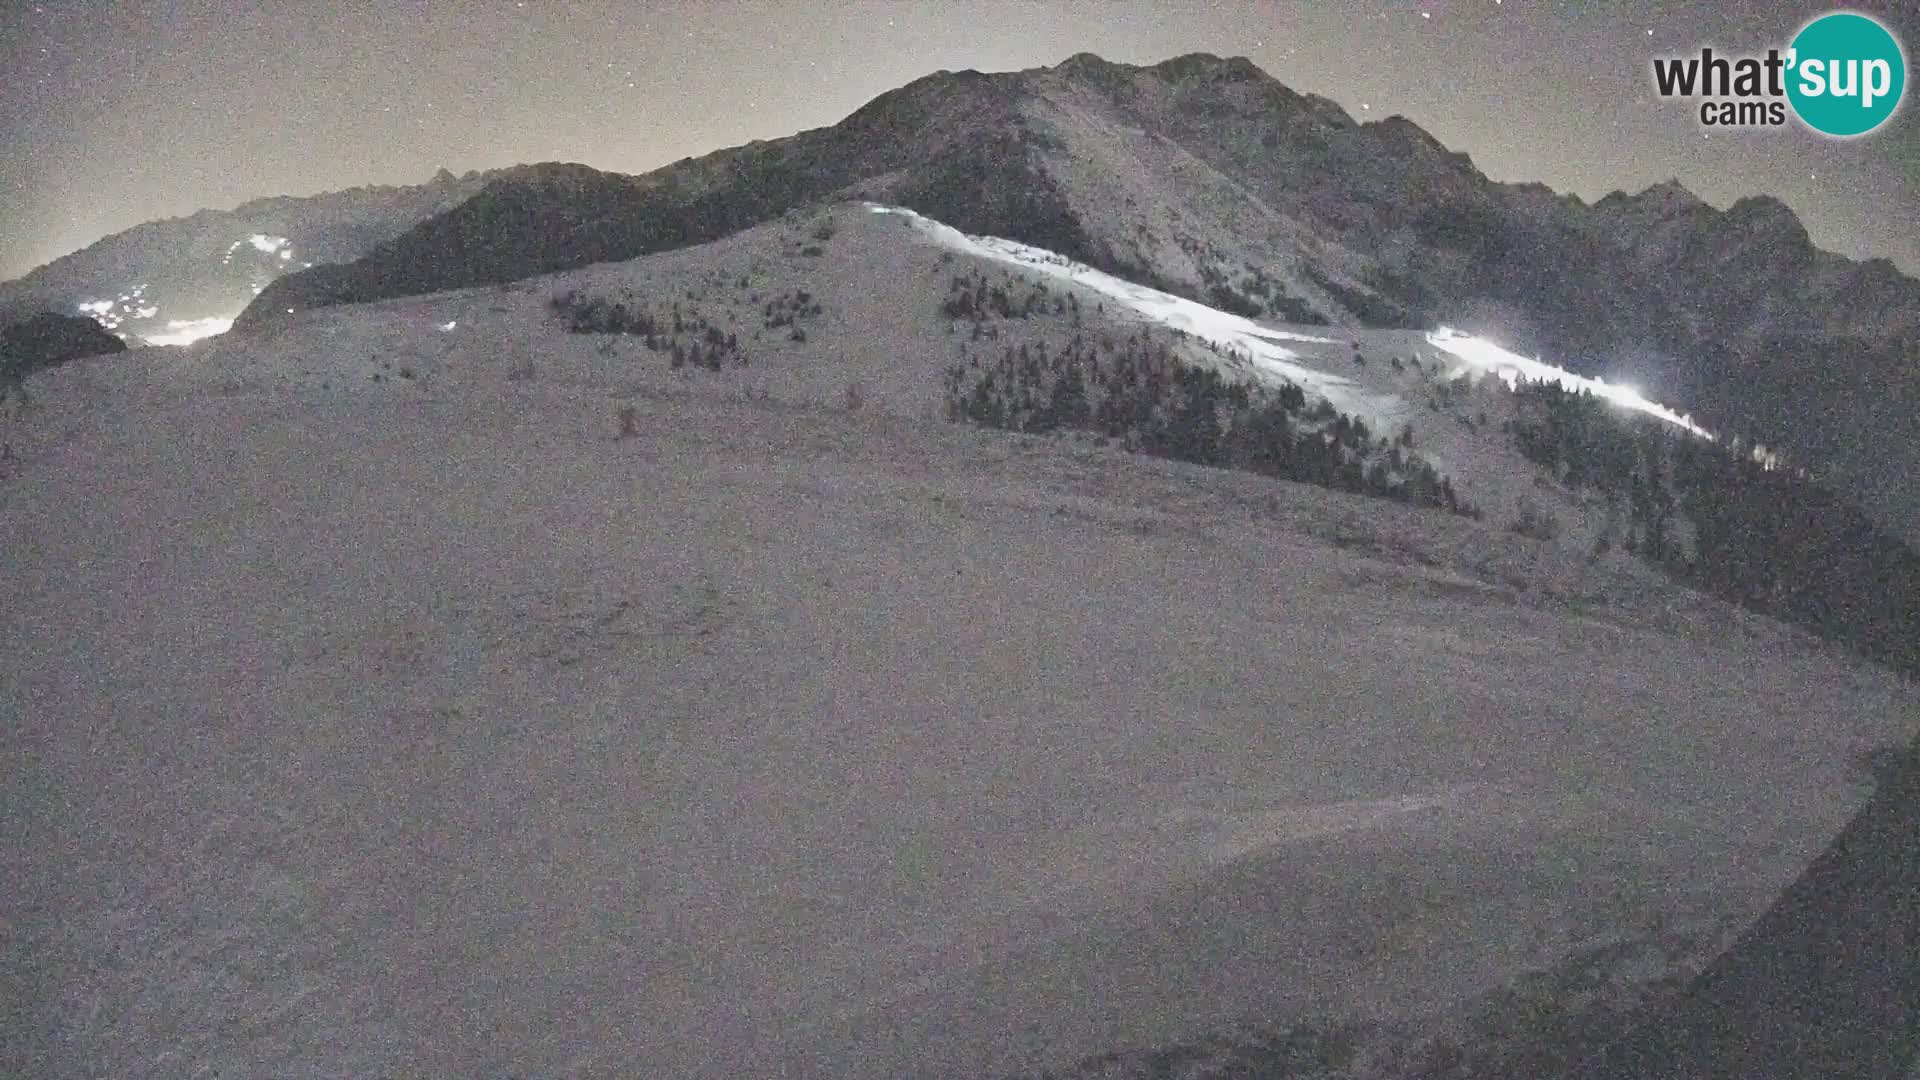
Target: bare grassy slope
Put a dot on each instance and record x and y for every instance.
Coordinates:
(422, 727)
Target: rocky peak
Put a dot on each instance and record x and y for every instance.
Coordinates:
(1398, 128)
(1663, 201)
(1085, 63)
(1670, 193)
(1766, 213)
(1202, 65)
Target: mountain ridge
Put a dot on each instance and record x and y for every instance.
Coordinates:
(1403, 172)
(1207, 177)
(200, 265)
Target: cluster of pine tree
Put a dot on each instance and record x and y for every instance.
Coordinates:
(1374, 307)
(789, 309)
(1256, 297)
(1230, 300)
(1136, 391)
(1775, 541)
(1768, 539)
(685, 339)
(1277, 301)
(1590, 445)
(974, 296)
(1222, 294)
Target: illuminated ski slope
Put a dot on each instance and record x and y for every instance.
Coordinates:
(1261, 345)
(188, 331)
(1480, 354)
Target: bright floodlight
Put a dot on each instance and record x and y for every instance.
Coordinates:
(1483, 355)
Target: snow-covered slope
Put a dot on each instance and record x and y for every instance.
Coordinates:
(1258, 345)
(1206, 177)
(1386, 392)
(367, 675)
(878, 283)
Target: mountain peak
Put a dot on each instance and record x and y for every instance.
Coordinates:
(1089, 69)
(1670, 192)
(1208, 65)
(1189, 66)
(1085, 61)
(1400, 126)
(1766, 214)
(1409, 140)
(1666, 199)
(1761, 208)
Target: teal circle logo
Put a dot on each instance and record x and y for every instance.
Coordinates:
(1846, 74)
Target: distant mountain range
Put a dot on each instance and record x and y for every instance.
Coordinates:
(213, 263)
(1208, 178)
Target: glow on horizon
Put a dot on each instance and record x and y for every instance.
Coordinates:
(188, 331)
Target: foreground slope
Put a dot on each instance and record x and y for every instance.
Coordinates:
(381, 722)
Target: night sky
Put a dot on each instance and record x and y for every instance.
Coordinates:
(113, 114)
